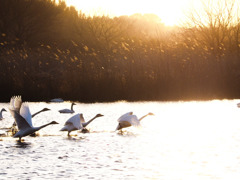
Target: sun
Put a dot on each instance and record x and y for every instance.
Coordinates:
(171, 12)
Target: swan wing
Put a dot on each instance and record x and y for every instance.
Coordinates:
(75, 121)
(82, 120)
(20, 121)
(124, 116)
(133, 120)
(68, 127)
(15, 103)
(26, 114)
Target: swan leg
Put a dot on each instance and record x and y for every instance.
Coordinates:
(19, 140)
(69, 133)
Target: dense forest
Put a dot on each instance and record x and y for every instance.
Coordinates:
(49, 50)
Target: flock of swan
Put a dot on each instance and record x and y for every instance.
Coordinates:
(22, 125)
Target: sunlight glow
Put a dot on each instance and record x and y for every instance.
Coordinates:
(171, 12)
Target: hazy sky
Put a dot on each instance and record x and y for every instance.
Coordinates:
(171, 12)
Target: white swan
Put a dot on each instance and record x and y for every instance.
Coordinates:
(73, 123)
(15, 104)
(68, 110)
(57, 100)
(1, 116)
(128, 119)
(24, 122)
(77, 122)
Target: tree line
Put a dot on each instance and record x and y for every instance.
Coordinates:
(49, 50)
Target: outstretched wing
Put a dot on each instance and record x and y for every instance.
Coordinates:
(15, 103)
(133, 120)
(20, 121)
(75, 121)
(124, 116)
(26, 114)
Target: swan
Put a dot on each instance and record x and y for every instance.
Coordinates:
(84, 123)
(68, 110)
(73, 123)
(1, 116)
(128, 119)
(24, 122)
(58, 100)
(15, 104)
(77, 122)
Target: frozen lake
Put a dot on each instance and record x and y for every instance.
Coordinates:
(197, 140)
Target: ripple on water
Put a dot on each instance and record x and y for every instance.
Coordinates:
(177, 143)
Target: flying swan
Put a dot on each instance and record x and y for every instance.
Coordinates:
(73, 124)
(24, 122)
(15, 104)
(1, 116)
(129, 119)
(68, 110)
(77, 122)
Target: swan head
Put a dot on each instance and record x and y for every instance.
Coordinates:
(4, 109)
(74, 103)
(99, 115)
(151, 114)
(46, 109)
(54, 122)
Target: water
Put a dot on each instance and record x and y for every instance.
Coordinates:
(184, 140)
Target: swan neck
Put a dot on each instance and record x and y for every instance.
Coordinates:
(143, 117)
(86, 123)
(36, 113)
(72, 107)
(44, 125)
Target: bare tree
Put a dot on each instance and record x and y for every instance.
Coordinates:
(212, 26)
